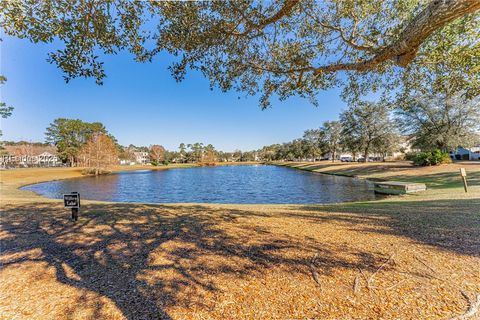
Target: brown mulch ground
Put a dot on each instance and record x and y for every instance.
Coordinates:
(200, 262)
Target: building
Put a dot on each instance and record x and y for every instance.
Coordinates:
(126, 162)
(29, 155)
(44, 159)
(142, 157)
(461, 153)
(47, 159)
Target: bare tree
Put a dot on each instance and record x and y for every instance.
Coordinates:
(99, 153)
(157, 153)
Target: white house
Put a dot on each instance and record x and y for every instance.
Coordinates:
(44, 159)
(47, 159)
(461, 153)
(142, 157)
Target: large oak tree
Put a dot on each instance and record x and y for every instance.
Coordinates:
(282, 47)
(441, 122)
(366, 126)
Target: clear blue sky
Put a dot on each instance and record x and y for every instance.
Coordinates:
(142, 104)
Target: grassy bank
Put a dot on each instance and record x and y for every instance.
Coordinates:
(400, 258)
(437, 177)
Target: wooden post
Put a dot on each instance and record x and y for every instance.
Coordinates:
(463, 173)
(74, 214)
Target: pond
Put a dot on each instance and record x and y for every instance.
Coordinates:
(250, 184)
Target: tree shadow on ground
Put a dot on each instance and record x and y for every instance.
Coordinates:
(353, 168)
(142, 256)
(441, 180)
(452, 225)
(310, 166)
(434, 180)
(467, 162)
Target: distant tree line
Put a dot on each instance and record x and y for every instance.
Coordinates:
(81, 143)
(198, 152)
(423, 123)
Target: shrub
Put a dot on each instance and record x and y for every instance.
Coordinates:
(94, 171)
(154, 162)
(206, 164)
(430, 158)
(410, 156)
(165, 162)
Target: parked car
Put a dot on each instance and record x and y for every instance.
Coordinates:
(346, 159)
(361, 160)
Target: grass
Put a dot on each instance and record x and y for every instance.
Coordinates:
(205, 261)
(437, 177)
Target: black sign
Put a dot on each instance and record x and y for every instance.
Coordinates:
(71, 200)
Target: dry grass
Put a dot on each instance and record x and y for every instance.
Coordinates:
(407, 257)
(439, 177)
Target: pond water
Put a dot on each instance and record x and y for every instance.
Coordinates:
(223, 184)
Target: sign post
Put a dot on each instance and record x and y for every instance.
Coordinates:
(463, 173)
(72, 200)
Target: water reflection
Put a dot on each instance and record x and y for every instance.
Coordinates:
(224, 184)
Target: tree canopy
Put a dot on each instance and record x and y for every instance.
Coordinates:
(367, 125)
(98, 153)
(157, 154)
(70, 135)
(332, 133)
(5, 111)
(280, 47)
(441, 122)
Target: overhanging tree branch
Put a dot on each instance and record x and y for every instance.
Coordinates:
(437, 14)
(285, 10)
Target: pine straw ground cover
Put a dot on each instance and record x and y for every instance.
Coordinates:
(414, 257)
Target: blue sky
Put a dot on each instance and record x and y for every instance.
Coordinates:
(142, 104)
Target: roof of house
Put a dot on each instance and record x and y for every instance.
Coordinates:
(30, 150)
(46, 154)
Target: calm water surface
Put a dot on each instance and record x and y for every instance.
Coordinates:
(223, 184)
